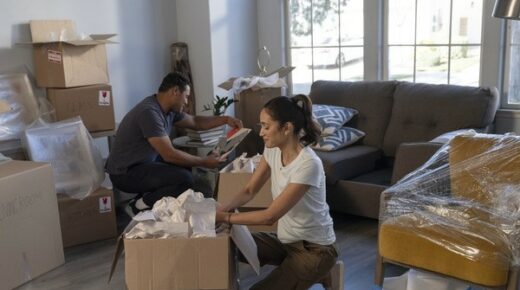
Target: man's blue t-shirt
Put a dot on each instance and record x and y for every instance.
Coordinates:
(131, 146)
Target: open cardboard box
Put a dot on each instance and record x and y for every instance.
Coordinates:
(62, 59)
(185, 263)
(251, 102)
(230, 183)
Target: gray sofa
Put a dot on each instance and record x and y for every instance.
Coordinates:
(399, 119)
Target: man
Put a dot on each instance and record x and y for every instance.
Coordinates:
(142, 159)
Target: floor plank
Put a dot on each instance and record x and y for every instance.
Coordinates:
(87, 266)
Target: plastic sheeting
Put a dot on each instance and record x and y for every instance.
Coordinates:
(18, 105)
(76, 162)
(466, 198)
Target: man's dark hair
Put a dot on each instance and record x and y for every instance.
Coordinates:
(174, 79)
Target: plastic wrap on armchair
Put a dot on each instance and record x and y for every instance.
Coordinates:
(459, 214)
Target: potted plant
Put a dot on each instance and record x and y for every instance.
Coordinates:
(219, 105)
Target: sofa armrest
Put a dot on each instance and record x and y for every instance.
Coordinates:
(410, 156)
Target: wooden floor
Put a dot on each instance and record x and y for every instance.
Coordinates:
(87, 266)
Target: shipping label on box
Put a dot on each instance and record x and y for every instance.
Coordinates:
(104, 98)
(30, 235)
(92, 103)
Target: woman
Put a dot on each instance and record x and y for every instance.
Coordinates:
(303, 247)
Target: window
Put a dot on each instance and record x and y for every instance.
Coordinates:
(326, 41)
(434, 41)
(513, 84)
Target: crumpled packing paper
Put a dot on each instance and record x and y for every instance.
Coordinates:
(189, 215)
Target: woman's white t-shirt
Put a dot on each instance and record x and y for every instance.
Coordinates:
(309, 219)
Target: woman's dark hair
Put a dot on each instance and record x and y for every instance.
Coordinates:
(298, 111)
(174, 79)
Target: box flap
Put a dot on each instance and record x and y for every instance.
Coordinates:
(119, 248)
(52, 30)
(102, 36)
(246, 244)
(282, 72)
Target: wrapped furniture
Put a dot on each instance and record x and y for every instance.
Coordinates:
(458, 215)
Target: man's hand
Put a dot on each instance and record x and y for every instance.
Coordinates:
(234, 122)
(214, 160)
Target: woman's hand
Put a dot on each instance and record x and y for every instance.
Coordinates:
(222, 217)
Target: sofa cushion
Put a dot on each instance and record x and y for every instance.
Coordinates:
(422, 112)
(331, 118)
(477, 254)
(343, 137)
(349, 162)
(373, 101)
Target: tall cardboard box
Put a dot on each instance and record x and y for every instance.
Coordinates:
(94, 104)
(30, 235)
(88, 220)
(62, 59)
(251, 102)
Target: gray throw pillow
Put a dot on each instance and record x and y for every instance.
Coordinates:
(342, 138)
(331, 118)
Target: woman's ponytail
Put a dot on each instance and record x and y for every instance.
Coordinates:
(311, 130)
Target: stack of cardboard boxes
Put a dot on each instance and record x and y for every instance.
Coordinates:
(74, 72)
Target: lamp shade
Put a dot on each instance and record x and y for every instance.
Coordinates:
(509, 9)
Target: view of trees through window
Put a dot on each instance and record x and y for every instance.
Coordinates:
(434, 41)
(326, 41)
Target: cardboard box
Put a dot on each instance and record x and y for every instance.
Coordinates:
(30, 235)
(186, 263)
(62, 59)
(88, 220)
(94, 104)
(251, 102)
(230, 184)
(197, 263)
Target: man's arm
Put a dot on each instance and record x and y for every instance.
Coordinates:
(169, 154)
(207, 122)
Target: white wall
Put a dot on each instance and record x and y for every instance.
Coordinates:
(193, 28)
(271, 31)
(222, 42)
(234, 38)
(136, 65)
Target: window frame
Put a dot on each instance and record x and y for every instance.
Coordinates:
(449, 45)
(505, 65)
(375, 52)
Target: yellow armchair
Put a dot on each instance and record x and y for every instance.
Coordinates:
(458, 215)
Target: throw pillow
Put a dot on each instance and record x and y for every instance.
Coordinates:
(342, 138)
(331, 118)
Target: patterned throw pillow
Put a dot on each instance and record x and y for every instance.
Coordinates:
(331, 118)
(342, 138)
